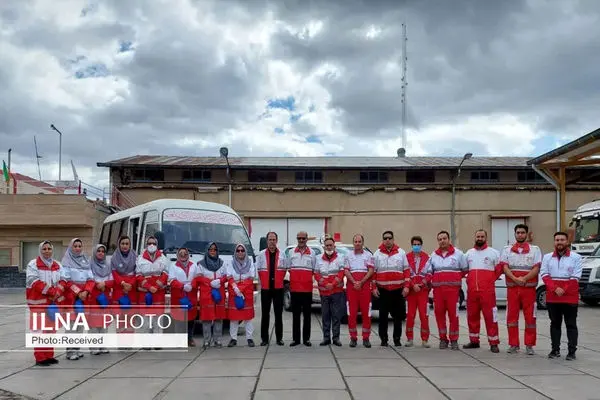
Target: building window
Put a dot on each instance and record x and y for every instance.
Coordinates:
(485, 176)
(420, 176)
(373, 177)
(587, 177)
(6, 258)
(529, 176)
(309, 177)
(197, 175)
(258, 176)
(148, 175)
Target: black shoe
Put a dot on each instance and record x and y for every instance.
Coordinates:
(325, 342)
(232, 343)
(397, 342)
(472, 345)
(280, 342)
(251, 343)
(367, 343)
(384, 343)
(494, 348)
(307, 343)
(294, 344)
(52, 361)
(336, 342)
(353, 342)
(554, 354)
(570, 357)
(45, 363)
(264, 343)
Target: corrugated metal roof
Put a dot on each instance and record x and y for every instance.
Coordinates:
(318, 162)
(571, 149)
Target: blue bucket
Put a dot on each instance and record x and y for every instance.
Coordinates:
(148, 298)
(216, 295)
(79, 308)
(185, 303)
(124, 302)
(51, 311)
(240, 302)
(102, 300)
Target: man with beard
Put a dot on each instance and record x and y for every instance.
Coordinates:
(561, 271)
(481, 291)
(521, 263)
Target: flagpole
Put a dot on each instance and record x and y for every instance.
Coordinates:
(8, 183)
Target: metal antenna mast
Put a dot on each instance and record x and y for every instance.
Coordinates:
(37, 156)
(404, 84)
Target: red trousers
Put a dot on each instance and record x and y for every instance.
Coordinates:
(521, 298)
(417, 301)
(359, 300)
(445, 301)
(478, 302)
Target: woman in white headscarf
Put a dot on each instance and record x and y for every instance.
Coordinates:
(78, 273)
(44, 288)
(152, 276)
(123, 265)
(240, 307)
(101, 296)
(211, 279)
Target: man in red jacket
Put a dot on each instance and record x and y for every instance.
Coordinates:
(484, 270)
(561, 271)
(301, 264)
(271, 268)
(418, 298)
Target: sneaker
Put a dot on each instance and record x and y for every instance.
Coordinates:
(104, 351)
(79, 354)
(95, 352)
(443, 344)
(264, 343)
(73, 357)
(409, 343)
(570, 357)
(353, 342)
(205, 345)
(494, 348)
(251, 343)
(218, 344)
(454, 345)
(530, 351)
(45, 363)
(513, 350)
(397, 343)
(472, 345)
(336, 342)
(425, 344)
(554, 354)
(52, 360)
(232, 343)
(367, 343)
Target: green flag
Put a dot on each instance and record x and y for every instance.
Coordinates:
(5, 172)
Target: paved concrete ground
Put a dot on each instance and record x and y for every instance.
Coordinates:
(297, 373)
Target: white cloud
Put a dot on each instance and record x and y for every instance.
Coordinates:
(199, 76)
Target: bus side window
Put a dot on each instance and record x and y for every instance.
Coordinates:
(104, 235)
(150, 226)
(115, 228)
(134, 224)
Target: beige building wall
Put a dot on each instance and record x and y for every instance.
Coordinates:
(28, 219)
(406, 212)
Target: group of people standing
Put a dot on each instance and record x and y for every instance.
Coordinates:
(132, 283)
(400, 281)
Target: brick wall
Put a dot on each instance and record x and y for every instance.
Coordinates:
(11, 277)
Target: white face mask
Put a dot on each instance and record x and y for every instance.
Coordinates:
(152, 249)
(329, 252)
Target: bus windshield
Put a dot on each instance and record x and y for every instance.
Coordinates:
(587, 230)
(195, 229)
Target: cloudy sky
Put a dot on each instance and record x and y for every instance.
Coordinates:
(292, 78)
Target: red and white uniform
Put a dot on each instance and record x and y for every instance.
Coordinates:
(152, 273)
(245, 284)
(564, 273)
(419, 275)
(391, 268)
(359, 264)
(78, 280)
(447, 269)
(97, 313)
(181, 274)
(43, 286)
(301, 264)
(263, 269)
(330, 271)
(209, 310)
(481, 292)
(521, 258)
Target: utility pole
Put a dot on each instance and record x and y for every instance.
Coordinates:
(59, 150)
(404, 84)
(453, 204)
